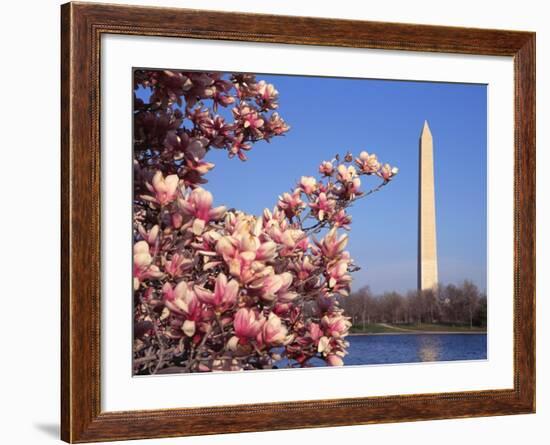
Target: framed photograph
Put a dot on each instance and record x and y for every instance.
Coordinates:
(275, 222)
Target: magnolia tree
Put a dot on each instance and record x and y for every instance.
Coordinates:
(217, 288)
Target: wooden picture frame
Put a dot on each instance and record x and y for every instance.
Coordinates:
(82, 26)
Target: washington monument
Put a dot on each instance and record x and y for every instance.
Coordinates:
(427, 239)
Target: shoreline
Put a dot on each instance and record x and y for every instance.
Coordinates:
(417, 333)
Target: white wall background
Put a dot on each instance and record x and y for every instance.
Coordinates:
(29, 222)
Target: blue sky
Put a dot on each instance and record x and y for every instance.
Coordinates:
(334, 115)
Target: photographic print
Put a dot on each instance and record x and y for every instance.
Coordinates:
(334, 211)
(285, 221)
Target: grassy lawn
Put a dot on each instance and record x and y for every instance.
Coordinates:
(370, 329)
(426, 327)
(440, 327)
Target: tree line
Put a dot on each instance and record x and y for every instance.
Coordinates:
(451, 304)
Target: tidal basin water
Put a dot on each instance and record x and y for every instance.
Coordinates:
(411, 348)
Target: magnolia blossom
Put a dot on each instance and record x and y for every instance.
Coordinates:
(199, 205)
(339, 279)
(291, 204)
(249, 117)
(164, 189)
(303, 268)
(323, 207)
(331, 245)
(326, 168)
(308, 184)
(247, 324)
(341, 219)
(224, 295)
(271, 286)
(239, 146)
(346, 173)
(387, 172)
(267, 95)
(274, 333)
(143, 267)
(291, 241)
(183, 302)
(178, 265)
(244, 253)
(276, 125)
(335, 325)
(367, 163)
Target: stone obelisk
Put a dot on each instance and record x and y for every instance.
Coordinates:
(427, 242)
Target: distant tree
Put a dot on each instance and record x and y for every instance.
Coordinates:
(392, 305)
(367, 305)
(471, 299)
(480, 317)
(430, 305)
(450, 304)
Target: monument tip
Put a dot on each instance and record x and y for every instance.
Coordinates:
(426, 128)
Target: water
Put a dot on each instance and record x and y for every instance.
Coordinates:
(411, 348)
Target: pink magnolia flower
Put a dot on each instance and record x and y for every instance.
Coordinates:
(367, 163)
(387, 172)
(274, 333)
(332, 246)
(224, 295)
(308, 184)
(193, 169)
(323, 207)
(245, 261)
(178, 265)
(291, 240)
(350, 189)
(314, 332)
(205, 245)
(268, 286)
(335, 325)
(247, 323)
(199, 205)
(217, 130)
(222, 99)
(323, 345)
(183, 302)
(164, 189)
(276, 126)
(271, 287)
(143, 267)
(249, 118)
(267, 95)
(341, 219)
(339, 278)
(291, 204)
(326, 168)
(346, 174)
(304, 268)
(243, 252)
(238, 147)
(284, 294)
